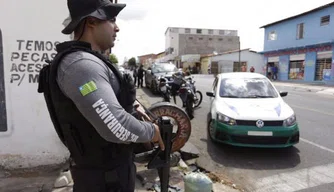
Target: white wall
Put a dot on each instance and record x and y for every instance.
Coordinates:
(253, 59)
(172, 40)
(30, 139)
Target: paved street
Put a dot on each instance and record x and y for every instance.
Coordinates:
(307, 167)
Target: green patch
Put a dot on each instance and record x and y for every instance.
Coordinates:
(88, 88)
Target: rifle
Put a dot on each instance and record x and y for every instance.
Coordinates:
(161, 159)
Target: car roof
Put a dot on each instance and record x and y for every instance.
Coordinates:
(240, 75)
(163, 64)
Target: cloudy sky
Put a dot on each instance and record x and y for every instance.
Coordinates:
(143, 22)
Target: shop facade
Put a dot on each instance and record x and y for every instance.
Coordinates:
(313, 63)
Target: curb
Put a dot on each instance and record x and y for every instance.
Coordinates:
(309, 88)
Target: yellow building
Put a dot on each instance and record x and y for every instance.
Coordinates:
(160, 57)
(205, 63)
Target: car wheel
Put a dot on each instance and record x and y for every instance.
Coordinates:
(211, 131)
(147, 84)
(152, 87)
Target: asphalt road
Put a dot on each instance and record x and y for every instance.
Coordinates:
(306, 167)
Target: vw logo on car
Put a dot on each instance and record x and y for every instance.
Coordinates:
(259, 123)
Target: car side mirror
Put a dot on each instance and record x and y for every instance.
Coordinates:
(283, 94)
(210, 94)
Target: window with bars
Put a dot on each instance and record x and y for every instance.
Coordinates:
(325, 20)
(237, 67)
(300, 31)
(187, 30)
(199, 31)
(272, 36)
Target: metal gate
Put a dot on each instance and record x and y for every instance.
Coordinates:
(214, 68)
(322, 64)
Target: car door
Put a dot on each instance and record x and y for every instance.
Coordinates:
(213, 99)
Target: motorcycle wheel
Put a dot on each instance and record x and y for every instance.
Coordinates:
(190, 108)
(200, 98)
(167, 97)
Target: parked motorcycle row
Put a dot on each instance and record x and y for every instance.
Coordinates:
(191, 97)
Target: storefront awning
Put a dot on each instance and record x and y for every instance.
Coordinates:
(191, 58)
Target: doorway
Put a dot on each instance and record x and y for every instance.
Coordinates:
(214, 68)
(3, 110)
(325, 63)
(240, 67)
(296, 70)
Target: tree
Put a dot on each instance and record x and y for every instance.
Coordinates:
(132, 62)
(113, 59)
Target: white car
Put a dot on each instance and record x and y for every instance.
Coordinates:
(247, 110)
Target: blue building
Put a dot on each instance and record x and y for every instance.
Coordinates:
(302, 46)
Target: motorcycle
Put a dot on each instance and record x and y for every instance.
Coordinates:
(197, 94)
(187, 93)
(165, 89)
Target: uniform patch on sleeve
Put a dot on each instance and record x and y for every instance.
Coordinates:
(87, 88)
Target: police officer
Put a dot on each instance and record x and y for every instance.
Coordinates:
(91, 103)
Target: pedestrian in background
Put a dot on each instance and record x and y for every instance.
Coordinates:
(252, 69)
(135, 74)
(140, 76)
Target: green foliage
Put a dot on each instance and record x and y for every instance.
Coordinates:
(113, 59)
(132, 62)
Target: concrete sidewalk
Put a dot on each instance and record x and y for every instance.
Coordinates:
(317, 88)
(52, 178)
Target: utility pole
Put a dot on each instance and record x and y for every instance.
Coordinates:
(239, 52)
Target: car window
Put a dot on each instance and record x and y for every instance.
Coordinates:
(164, 68)
(247, 88)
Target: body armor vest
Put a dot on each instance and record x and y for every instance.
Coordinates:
(88, 149)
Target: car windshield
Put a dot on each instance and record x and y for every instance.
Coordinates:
(164, 68)
(247, 88)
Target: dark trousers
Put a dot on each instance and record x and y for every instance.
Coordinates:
(274, 76)
(140, 82)
(135, 80)
(121, 179)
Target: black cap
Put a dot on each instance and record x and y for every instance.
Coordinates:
(80, 9)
